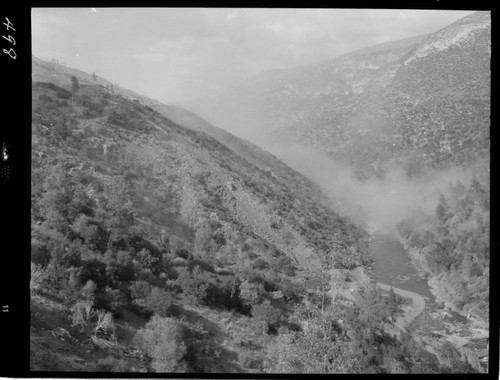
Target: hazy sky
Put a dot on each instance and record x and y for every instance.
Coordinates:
(172, 54)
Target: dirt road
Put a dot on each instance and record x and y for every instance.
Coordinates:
(411, 311)
(360, 278)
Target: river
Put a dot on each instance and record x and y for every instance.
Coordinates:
(392, 266)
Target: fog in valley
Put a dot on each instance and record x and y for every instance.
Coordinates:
(378, 204)
(197, 54)
(260, 190)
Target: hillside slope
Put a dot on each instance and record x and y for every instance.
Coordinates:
(137, 216)
(163, 248)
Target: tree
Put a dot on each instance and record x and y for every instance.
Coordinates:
(75, 86)
(460, 188)
(104, 326)
(93, 77)
(394, 303)
(442, 210)
(88, 291)
(316, 348)
(81, 312)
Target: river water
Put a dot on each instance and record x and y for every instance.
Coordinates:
(392, 266)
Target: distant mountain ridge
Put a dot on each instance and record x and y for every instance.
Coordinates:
(422, 99)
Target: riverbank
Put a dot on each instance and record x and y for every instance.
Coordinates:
(437, 289)
(430, 324)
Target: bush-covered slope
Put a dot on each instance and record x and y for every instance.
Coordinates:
(133, 213)
(452, 247)
(157, 247)
(422, 99)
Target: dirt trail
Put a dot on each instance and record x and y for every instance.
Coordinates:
(411, 311)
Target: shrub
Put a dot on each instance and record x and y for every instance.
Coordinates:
(94, 270)
(272, 316)
(106, 364)
(63, 94)
(182, 253)
(159, 302)
(250, 359)
(140, 290)
(285, 265)
(111, 364)
(219, 239)
(194, 285)
(38, 278)
(162, 339)
(260, 264)
(122, 366)
(118, 119)
(252, 293)
(44, 98)
(89, 290)
(40, 255)
(90, 231)
(147, 261)
(111, 299)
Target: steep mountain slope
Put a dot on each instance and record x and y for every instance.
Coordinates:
(133, 213)
(255, 170)
(443, 92)
(45, 71)
(424, 98)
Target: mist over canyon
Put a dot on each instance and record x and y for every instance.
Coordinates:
(329, 216)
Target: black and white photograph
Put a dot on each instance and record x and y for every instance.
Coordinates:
(257, 190)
